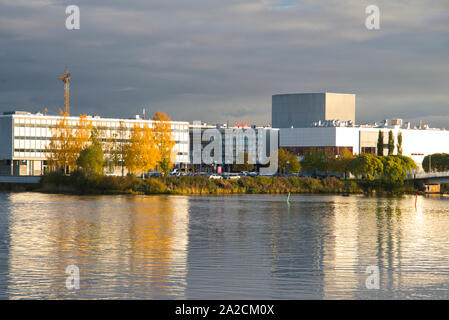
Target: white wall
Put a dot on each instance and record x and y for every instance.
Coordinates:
(415, 143)
(307, 137)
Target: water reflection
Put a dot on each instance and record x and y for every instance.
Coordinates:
(237, 247)
(107, 238)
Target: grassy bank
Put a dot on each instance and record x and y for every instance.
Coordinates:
(81, 183)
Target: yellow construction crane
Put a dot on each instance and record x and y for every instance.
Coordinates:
(66, 79)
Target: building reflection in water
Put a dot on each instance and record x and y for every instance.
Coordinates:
(127, 246)
(410, 247)
(240, 247)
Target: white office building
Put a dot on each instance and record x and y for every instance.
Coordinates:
(25, 136)
(417, 142)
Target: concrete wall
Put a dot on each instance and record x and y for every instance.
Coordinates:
(302, 109)
(6, 135)
(297, 110)
(415, 143)
(308, 137)
(340, 107)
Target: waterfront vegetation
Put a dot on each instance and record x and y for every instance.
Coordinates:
(78, 159)
(81, 182)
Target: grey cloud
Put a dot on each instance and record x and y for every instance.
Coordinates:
(222, 60)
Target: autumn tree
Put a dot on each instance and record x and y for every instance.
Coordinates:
(164, 139)
(141, 153)
(342, 162)
(288, 162)
(67, 141)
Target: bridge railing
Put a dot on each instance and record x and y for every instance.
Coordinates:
(432, 175)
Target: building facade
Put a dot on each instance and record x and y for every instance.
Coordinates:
(25, 137)
(416, 143)
(301, 110)
(234, 141)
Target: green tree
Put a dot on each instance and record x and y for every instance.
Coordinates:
(91, 157)
(245, 166)
(310, 159)
(399, 145)
(390, 143)
(436, 162)
(396, 167)
(380, 144)
(342, 162)
(288, 162)
(366, 166)
(318, 160)
(408, 163)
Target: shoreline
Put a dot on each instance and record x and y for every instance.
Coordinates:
(84, 184)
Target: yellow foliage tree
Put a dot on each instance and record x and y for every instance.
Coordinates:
(67, 141)
(165, 141)
(141, 153)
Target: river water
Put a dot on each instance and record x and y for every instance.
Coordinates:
(233, 247)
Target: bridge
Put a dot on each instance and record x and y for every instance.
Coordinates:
(431, 177)
(430, 182)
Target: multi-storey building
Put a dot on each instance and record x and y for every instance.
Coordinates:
(25, 137)
(417, 142)
(254, 140)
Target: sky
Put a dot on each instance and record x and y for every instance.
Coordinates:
(222, 60)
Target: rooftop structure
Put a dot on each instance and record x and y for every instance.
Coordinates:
(301, 110)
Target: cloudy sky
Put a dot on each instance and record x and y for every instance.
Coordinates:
(221, 60)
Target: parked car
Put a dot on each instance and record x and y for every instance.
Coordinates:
(267, 174)
(154, 174)
(215, 176)
(231, 176)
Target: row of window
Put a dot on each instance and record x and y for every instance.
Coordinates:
(101, 139)
(45, 151)
(75, 126)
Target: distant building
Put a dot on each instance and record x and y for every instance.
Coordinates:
(301, 110)
(25, 136)
(416, 142)
(242, 141)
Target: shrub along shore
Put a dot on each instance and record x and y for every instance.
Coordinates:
(81, 183)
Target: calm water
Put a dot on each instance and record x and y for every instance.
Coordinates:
(239, 247)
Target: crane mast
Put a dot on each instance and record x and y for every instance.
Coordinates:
(66, 79)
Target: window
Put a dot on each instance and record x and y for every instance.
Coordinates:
(370, 150)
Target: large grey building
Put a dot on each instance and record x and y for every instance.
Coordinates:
(301, 110)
